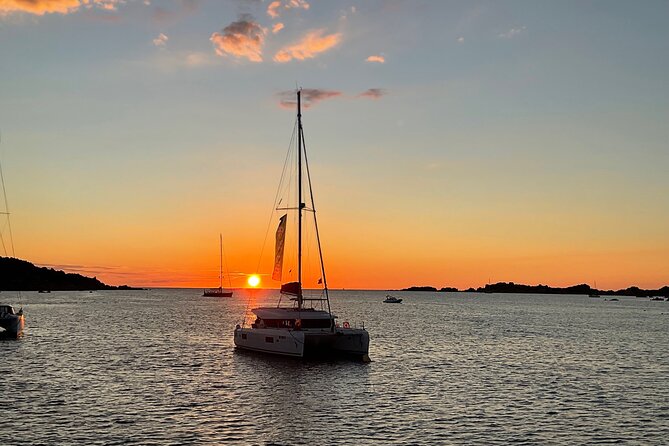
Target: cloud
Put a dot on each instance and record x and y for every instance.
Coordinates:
(373, 93)
(272, 9)
(198, 59)
(461, 39)
(161, 40)
(310, 96)
(311, 44)
(41, 7)
(277, 27)
(296, 4)
(513, 32)
(243, 38)
(378, 59)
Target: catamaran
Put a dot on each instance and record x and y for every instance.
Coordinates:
(307, 326)
(219, 292)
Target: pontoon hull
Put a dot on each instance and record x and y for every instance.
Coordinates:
(348, 342)
(268, 340)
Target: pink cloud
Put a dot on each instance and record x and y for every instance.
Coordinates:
(310, 96)
(272, 9)
(373, 93)
(277, 27)
(297, 4)
(378, 59)
(243, 38)
(161, 40)
(311, 44)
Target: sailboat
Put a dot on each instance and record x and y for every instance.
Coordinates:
(11, 322)
(300, 329)
(219, 292)
(593, 291)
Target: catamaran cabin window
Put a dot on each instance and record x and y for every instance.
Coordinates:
(316, 323)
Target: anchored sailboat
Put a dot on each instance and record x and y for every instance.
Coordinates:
(219, 292)
(300, 329)
(11, 322)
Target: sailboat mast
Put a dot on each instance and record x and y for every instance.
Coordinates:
(299, 200)
(220, 273)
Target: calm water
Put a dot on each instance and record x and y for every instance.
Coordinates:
(158, 367)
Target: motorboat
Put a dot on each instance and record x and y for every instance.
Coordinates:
(11, 322)
(304, 325)
(392, 299)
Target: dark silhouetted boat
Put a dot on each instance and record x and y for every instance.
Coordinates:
(220, 291)
(11, 322)
(392, 299)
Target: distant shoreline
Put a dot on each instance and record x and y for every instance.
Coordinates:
(21, 275)
(516, 288)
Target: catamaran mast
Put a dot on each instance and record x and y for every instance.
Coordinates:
(300, 205)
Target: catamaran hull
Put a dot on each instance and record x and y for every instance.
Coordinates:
(277, 342)
(13, 327)
(343, 342)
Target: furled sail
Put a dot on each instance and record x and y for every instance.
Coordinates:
(278, 248)
(291, 288)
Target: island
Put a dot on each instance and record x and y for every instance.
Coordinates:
(516, 288)
(21, 275)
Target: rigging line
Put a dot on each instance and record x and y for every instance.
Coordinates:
(9, 222)
(318, 237)
(225, 260)
(274, 204)
(269, 221)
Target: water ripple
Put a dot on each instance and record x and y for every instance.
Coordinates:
(158, 367)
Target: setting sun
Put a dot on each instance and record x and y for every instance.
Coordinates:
(253, 280)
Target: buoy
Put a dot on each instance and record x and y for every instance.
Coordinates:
(347, 325)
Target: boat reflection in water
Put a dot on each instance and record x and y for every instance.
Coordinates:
(307, 327)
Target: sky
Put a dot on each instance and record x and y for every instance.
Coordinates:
(451, 143)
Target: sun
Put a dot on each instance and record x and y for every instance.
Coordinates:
(253, 280)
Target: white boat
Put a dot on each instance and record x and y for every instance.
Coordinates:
(11, 322)
(392, 299)
(300, 329)
(220, 291)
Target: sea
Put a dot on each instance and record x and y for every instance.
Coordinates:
(159, 367)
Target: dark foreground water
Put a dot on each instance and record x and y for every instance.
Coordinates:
(158, 367)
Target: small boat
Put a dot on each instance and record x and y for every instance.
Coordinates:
(219, 292)
(11, 322)
(656, 298)
(392, 299)
(44, 291)
(594, 292)
(307, 327)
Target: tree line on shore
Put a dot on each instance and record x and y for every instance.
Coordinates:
(516, 288)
